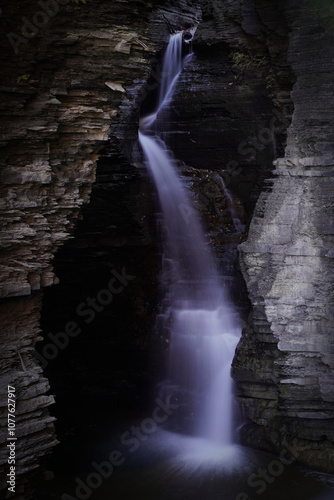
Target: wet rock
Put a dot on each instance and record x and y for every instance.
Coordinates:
(287, 265)
(55, 118)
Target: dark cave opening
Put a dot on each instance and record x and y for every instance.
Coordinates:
(102, 374)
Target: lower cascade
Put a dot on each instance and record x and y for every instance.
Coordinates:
(197, 320)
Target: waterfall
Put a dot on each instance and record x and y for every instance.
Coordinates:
(197, 318)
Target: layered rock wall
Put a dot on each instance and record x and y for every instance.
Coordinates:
(284, 363)
(63, 79)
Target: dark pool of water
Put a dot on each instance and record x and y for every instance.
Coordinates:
(164, 466)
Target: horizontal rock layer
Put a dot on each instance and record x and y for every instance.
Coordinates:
(61, 92)
(33, 429)
(61, 88)
(285, 360)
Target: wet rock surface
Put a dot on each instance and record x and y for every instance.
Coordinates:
(61, 88)
(284, 362)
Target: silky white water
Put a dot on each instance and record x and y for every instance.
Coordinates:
(201, 322)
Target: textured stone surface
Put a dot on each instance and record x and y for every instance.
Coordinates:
(233, 98)
(60, 93)
(284, 362)
(56, 116)
(33, 424)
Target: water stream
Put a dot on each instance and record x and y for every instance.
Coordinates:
(197, 313)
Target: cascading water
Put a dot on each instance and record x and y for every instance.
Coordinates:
(202, 325)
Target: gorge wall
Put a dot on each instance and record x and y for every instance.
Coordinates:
(284, 363)
(61, 87)
(257, 90)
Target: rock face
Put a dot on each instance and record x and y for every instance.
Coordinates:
(34, 429)
(61, 84)
(233, 98)
(284, 363)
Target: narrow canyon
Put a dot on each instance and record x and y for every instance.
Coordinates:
(251, 129)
